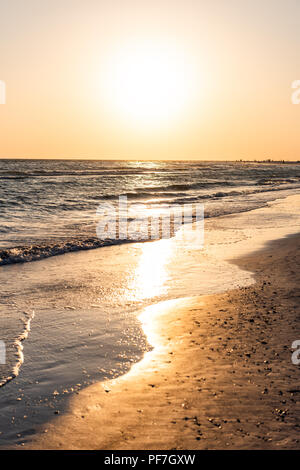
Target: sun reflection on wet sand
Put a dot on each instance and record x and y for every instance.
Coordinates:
(151, 274)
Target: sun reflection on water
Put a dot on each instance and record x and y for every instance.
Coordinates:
(151, 274)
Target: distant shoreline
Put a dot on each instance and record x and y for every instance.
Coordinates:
(87, 159)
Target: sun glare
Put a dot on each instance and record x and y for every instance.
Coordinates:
(148, 84)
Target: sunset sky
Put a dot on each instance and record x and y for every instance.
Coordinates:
(150, 79)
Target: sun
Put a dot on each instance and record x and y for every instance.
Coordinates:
(148, 83)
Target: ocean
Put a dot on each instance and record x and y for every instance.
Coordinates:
(48, 207)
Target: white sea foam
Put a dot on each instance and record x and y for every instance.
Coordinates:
(18, 346)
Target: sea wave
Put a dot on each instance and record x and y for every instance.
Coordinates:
(37, 251)
(23, 254)
(184, 196)
(65, 173)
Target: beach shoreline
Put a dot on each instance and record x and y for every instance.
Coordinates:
(220, 375)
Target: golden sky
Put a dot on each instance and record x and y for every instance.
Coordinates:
(150, 79)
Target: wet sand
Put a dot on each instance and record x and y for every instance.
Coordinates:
(220, 375)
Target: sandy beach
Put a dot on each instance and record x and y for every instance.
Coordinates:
(220, 374)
